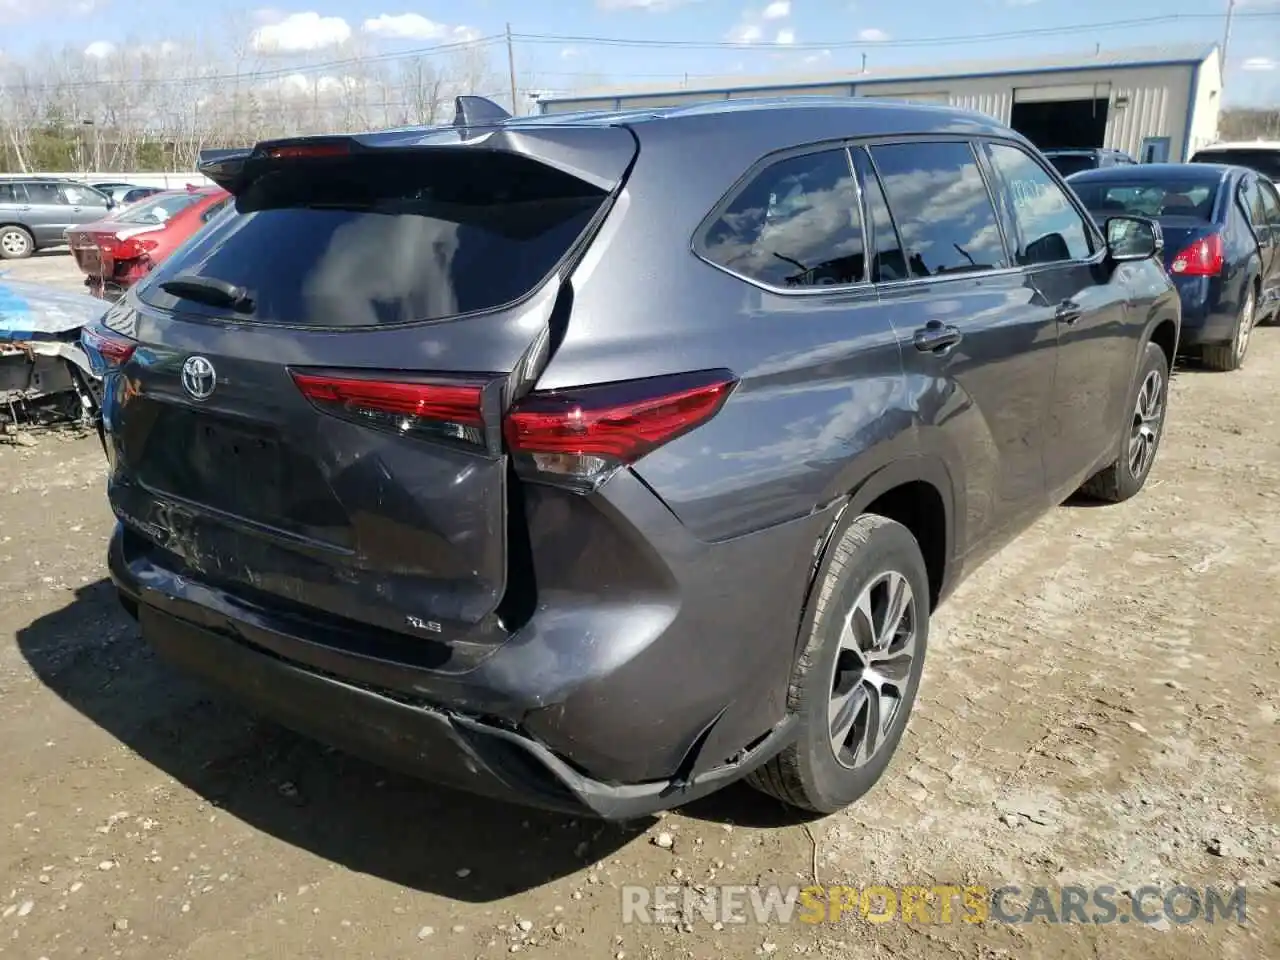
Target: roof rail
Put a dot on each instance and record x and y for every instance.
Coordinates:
(477, 112)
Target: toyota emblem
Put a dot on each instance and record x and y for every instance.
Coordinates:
(199, 378)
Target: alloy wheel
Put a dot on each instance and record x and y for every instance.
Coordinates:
(1245, 327)
(14, 243)
(1148, 413)
(872, 669)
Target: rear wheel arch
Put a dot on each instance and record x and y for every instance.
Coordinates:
(916, 492)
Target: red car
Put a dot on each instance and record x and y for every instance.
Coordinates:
(117, 252)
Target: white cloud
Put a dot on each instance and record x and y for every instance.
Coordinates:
(568, 53)
(786, 36)
(464, 34)
(1259, 64)
(873, 35)
(99, 50)
(301, 85)
(653, 6)
(745, 33)
(818, 57)
(405, 26)
(300, 33)
(13, 11)
(777, 10)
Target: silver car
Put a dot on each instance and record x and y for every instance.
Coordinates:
(36, 211)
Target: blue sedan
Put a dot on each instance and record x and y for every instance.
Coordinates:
(1221, 227)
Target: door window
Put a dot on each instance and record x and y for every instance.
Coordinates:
(888, 262)
(794, 225)
(939, 200)
(214, 210)
(1270, 205)
(1050, 230)
(44, 193)
(79, 196)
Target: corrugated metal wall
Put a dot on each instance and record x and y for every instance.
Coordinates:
(1145, 101)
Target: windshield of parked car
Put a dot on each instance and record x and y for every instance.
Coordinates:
(1266, 162)
(159, 209)
(1184, 197)
(1069, 163)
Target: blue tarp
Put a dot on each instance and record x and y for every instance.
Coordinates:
(34, 311)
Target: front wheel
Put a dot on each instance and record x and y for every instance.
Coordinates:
(1126, 475)
(16, 243)
(855, 682)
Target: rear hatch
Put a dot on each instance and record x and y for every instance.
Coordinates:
(313, 410)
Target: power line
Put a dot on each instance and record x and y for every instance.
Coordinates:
(952, 40)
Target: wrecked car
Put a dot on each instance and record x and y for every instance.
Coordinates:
(42, 364)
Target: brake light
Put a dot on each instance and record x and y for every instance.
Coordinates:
(304, 151)
(1204, 258)
(580, 437)
(113, 348)
(440, 410)
(129, 247)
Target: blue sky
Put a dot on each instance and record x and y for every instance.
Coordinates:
(777, 36)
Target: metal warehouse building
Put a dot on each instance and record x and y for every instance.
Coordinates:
(1155, 103)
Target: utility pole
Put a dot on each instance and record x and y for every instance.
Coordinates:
(511, 69)
(1226, 33)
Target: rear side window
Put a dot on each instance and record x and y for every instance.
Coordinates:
(795, 224)
(214, 210)
(388, 238)
(1050, 230)
(940, 202)
(12, 193)
(1265, 162)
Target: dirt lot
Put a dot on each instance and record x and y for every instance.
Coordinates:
(1101, 706)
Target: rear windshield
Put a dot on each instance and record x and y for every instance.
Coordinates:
(385, 239)
(1266, 162)
(1168, 198)
(1069, 163)
(160, 209)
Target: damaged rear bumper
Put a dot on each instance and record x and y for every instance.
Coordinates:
(463, 752)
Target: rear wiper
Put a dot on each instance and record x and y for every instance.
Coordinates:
(209, 290)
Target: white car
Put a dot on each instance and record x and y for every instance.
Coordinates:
(1260, 155)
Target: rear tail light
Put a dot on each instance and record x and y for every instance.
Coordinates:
(1204, 258)
(127, 247)
(580, 437)
(106, 348)
(436, 410)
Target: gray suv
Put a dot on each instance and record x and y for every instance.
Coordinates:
(599, 460)
(35, 212)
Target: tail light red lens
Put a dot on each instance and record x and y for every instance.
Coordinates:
(114, 348)
(579, 437)
(1204, 258)
(439, 410)
(127, 248)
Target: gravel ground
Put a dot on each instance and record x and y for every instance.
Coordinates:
(1101, 706)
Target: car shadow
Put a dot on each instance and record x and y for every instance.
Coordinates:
(337, 806)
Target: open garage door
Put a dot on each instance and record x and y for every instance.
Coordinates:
(1064, 116)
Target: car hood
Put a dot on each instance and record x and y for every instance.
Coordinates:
(34, 311)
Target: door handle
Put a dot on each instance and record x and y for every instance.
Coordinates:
(1068, 312)
(934, 337)
(26, 207)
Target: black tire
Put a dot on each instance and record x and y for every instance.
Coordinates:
(1225, 357)
(16, 243)
(1118, 481)
(807, 774)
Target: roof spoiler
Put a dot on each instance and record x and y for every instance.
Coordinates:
(223, 166)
